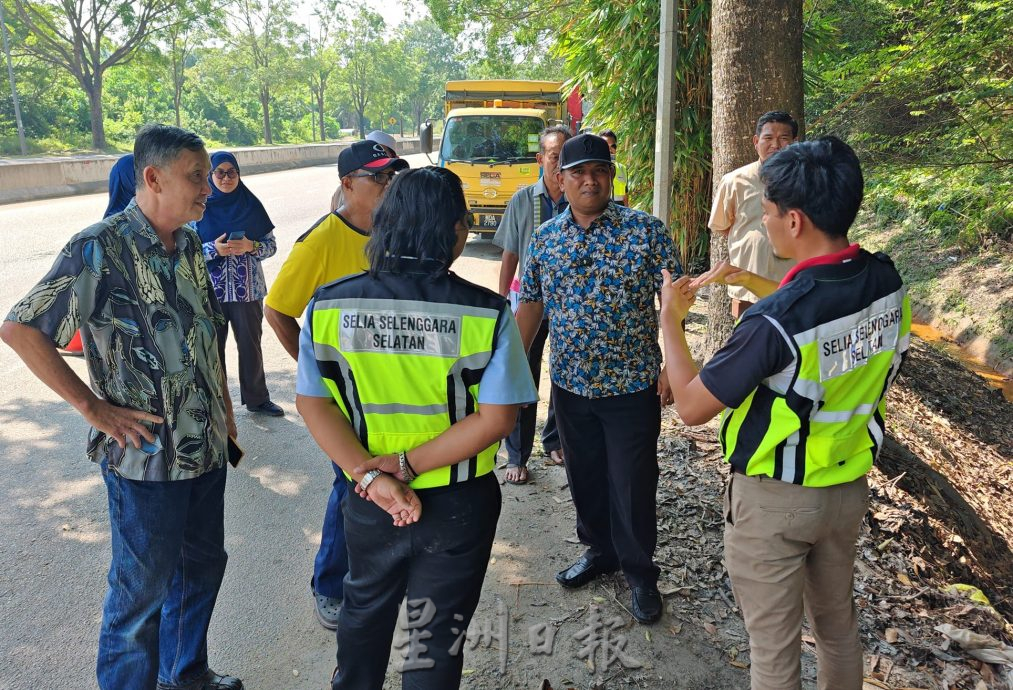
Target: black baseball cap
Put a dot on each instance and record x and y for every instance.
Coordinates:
(368, 155)
(584, 148)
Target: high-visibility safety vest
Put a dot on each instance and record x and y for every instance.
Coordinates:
(619, 183)
(403, 356)
(820, 420)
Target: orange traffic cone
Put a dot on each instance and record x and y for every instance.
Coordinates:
(74, 346)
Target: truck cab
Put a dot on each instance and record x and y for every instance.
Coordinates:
(490, 140)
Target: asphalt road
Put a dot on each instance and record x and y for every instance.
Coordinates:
(54, 552)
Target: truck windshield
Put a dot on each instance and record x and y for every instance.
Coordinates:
(491, 138)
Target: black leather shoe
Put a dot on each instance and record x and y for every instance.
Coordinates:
(581, 572)
(213, 681)
(646, 604)
(269, 408)
(210, 681)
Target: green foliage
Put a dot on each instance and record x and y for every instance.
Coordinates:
(967, 208)
(426, 66)
(507, 39)
(87, 39)
(217, 64)
(614, 61)
(923, 90)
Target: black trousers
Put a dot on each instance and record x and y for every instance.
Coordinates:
(522, 439)
(611, 449)
(439, 563)
(247, 319)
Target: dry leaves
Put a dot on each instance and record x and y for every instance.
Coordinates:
(941, 512)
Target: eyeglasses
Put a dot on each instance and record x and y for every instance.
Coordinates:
(231, 173)
(381, 178)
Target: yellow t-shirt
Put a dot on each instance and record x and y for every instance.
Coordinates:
(331, 249)
(737, 210)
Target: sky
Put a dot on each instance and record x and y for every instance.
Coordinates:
(394, 12)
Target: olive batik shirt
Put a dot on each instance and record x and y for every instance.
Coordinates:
(147, 320)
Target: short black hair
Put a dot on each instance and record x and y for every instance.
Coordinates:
(561, 130)
(822, 178)
(159, 145)
(609, 133)
(417, 218)
(777, 116)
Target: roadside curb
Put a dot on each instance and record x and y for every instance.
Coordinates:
(57, 176)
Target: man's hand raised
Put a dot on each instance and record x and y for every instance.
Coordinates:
(722, 273)
(676, 297)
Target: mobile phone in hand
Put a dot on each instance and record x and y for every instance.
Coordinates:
(235, 452)
(237, 235)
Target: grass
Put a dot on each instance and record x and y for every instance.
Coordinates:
(951, 238)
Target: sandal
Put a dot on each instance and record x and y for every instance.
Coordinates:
(523, 475)
(556, 457)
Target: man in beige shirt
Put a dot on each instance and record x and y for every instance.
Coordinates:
(738, 213)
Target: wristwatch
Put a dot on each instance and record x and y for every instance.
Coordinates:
(368, 478)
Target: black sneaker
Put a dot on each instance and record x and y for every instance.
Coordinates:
(268, 408)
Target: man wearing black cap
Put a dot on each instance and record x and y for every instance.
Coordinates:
(594, 270)
(333, 248)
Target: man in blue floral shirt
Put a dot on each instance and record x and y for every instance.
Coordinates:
(594, 270)
(137, 287)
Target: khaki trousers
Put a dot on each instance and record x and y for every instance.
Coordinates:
(790, 547)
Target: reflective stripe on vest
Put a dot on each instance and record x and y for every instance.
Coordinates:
(441, 348)
(819, 422)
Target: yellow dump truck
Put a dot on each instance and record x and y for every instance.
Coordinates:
(490, 138)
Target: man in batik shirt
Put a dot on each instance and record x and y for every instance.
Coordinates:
(137, 287)
(594, 270)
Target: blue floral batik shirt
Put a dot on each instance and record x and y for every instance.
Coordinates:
(598, 286)
(147, 320)
(240, 278)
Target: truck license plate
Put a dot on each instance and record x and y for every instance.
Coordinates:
(489, 220)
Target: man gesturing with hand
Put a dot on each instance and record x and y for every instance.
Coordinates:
(802, 383)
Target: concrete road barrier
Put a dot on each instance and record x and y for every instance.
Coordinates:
(28, 179)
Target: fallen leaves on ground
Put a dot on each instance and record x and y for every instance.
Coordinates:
(941, 513)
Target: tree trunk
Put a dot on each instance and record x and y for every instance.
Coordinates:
(265, 107)
(178, 62)
(320, 109)
(98, 127)
(756, 66)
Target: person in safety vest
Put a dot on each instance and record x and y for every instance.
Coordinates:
(333, 248)
(621, 178)
(802, 382)
(408, 378)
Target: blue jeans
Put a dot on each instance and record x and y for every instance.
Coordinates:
(331, 564)
(168, 559)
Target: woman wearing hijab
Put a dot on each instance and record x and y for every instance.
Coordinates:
(236, 233)
(122, 185)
